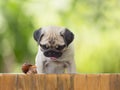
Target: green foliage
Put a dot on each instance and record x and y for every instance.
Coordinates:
(17, 29)
(94, 22)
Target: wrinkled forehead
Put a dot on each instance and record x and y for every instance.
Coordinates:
(52, 41)
(52, 36)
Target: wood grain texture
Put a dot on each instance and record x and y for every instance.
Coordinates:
(118, 82)
(93, 82)
(64, 82)
(39, 82)
(60, 82)
(0, 81)
(80, 82)
(8, 82)
(51, 82)
(114, 82)
(25, 82)
(104, 81)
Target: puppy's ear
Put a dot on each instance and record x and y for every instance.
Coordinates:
(37, 35)
(68, 36)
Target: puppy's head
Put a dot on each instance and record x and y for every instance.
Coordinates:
(53, 40)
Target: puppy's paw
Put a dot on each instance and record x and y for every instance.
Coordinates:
(29, 69)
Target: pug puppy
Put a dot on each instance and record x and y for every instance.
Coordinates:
(55, 50)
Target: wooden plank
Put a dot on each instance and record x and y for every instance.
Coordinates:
(104, 82)
(8, 82)
(51, 82)
(39, 82)
(60, 82)
(64, 82)
(72, 81)
(118, 79)
(114, 82)
(0, 81)
(25, 82)
(93, 82)
(80, 82)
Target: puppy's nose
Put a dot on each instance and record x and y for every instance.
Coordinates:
(52, 54)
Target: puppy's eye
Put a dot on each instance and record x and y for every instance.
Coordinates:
(44, 46)
(60, 47)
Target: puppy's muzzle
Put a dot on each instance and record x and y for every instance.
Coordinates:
(53, 53)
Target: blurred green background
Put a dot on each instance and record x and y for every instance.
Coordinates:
(95, 23)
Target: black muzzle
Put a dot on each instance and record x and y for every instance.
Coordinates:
(53, 53)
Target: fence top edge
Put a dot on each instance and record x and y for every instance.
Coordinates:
(63, 74)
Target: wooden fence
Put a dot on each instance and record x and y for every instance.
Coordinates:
(60, 82)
